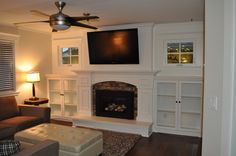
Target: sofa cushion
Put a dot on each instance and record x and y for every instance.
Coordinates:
(9, 147)
(7, 131)
(22, 122)
(8, 107)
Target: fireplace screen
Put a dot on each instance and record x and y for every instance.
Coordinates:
(114, 103)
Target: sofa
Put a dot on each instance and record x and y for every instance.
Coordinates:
(16, 117)
(43, 148)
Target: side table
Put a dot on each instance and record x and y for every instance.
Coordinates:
(36, 102)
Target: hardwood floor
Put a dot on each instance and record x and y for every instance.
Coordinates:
(159, 144)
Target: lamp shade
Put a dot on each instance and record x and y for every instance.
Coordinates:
(33, 77)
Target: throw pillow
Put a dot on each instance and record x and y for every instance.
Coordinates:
(9, 147)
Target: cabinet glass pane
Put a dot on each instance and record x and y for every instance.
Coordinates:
(74, 51)
(191, 89)
(189, 104)
(190, 121)
(187, 47)
(55, 109)
(54, 97)
(166, 88)
(186, 58)
(172, 47)
(54, 85)
(70, 98)
(173, 58)
(65, 60)
(74, 60)
(70, 110)
(70, 85)
(165, 118)
(166, 103)
(65, 52)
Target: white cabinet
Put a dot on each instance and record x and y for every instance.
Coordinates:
(178, 48)
(62, 94)
(179, 107)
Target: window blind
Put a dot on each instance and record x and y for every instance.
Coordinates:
(7, 65)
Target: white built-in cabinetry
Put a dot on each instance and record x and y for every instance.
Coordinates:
(63, 96)
(179, 106)
(178, 58)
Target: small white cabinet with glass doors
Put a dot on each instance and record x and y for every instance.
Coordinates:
(62, 94)
(179, 107)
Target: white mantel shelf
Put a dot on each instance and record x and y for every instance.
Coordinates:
(131, 72)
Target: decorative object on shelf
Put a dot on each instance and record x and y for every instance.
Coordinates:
(33, 77)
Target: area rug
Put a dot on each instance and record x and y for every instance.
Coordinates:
(118, 144)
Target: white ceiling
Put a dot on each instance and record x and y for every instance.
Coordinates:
(111, 12)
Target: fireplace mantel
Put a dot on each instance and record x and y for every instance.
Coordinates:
(143, 80)
(131, 72)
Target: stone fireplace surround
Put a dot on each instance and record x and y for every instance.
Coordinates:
(143, 80)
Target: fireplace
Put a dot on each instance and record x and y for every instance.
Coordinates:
(115, 99)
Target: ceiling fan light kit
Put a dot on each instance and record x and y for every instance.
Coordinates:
(60, 21)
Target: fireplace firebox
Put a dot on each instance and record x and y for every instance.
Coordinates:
(118, 104)
(115, 99)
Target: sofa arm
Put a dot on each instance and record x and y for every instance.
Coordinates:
(46, 147)
(29, 110)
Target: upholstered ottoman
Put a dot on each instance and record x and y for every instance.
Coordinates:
(73, 141)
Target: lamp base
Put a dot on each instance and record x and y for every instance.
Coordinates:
(33, 98)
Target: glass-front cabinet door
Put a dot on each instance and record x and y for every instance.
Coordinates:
(191, 105)
(63, 99)
(70, 98)
(166, 103)
(180, 52)
(54, 93)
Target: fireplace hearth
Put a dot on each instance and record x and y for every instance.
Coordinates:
(115, 99)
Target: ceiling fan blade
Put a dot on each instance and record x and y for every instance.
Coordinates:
(81, 18)
(39, 13)
(82, 25)
(31, 22)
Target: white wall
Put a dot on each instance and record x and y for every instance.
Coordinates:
(233, 131)
(214, 48)
(33, 54)
(219, 80)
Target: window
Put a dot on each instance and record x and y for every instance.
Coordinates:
(7, 65)
(69, 55)
(180, 53)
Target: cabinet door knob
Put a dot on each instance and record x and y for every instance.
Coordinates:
(62, 94)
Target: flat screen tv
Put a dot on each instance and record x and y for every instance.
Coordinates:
(113, 47)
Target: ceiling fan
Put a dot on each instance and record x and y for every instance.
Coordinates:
(60, 21)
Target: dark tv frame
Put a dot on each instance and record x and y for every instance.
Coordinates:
(94, 54)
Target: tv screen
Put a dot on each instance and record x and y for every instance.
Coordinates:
(113, 47)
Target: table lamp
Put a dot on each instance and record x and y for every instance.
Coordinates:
(33, 77)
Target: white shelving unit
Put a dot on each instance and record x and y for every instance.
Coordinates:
(62, 94)
(179, 107)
